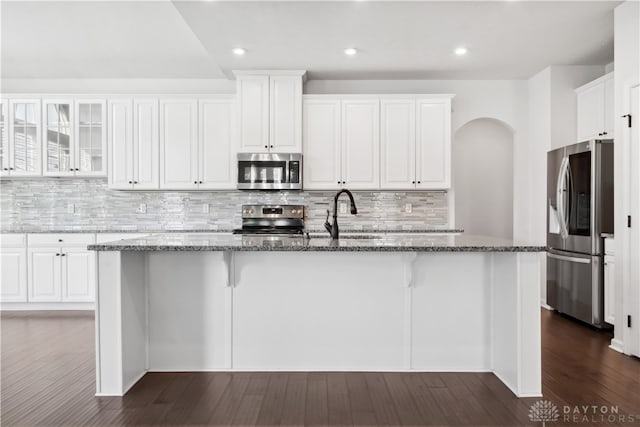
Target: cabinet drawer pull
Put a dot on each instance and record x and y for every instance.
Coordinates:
(59, 240)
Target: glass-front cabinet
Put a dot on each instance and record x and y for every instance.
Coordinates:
(58, 140)
(24, 145)
(4, 138)
(75, 141)
(91, 137)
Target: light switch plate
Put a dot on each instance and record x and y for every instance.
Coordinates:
(205, 208)
(71, 208)
(342, 207)
(408, 208)
(142, 208)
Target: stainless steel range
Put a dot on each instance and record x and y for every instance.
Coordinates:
(272, 220)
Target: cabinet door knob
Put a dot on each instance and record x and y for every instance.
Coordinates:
(338, 182)
(271, 146)
(604, 133)
(135, 182)
(59, 240)
(195, 182)
(63, 254)
(10, 169)
(6, 169)
(344, 182)
(57, 254)
(418, 182)
(199, 182)
(130, 182)
(266, 146)
(413, 182)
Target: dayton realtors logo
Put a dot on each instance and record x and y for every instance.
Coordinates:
(545, 411)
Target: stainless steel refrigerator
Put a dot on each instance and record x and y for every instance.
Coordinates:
(579, 210)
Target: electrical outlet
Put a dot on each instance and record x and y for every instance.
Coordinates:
(71, 208)
(142, 208)
(205, 208)
(408, 208)
(343, 207)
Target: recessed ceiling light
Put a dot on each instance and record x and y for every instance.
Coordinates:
(350, 51)
(239, 51)
(461, 51)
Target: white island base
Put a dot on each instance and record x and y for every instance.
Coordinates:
(318, 311)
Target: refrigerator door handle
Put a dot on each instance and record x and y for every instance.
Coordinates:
(560, 197)
(569, 258)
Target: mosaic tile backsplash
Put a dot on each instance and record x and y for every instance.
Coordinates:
(41, 205)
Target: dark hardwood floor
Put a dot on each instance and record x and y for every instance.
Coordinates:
(48, 379)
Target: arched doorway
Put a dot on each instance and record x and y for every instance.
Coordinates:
(483, 178)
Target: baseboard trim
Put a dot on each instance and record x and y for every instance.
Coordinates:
(49, 306)
(546, 306)
(617, 345)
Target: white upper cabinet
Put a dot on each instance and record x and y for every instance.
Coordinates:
(398, 144)
(321, 144)
(133, 144)
(24, 153)
(74, 142)
(90, 137)
(595, 109)
(285, 114)
(58, 137)
(270, 111)
(361, 143)
(253, 104)
(179, 144)
(217, 165)
(146, 145)
(4, 138)
(433, 144)
(394, 142)
(120, 144)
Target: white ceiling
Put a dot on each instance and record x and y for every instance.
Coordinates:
(396, 40)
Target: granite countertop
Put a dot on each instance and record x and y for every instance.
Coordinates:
(382, 242)
(221, 230)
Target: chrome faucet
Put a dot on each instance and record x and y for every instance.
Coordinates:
(333, 228)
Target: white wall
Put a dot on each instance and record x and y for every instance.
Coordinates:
(482, 163)
(627, 161)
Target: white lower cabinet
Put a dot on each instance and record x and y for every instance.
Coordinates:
(60, 268)
(13, 277)
(78, 275)
(45, 280)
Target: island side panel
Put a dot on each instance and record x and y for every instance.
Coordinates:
(516, 343)
(318, 311)
(189, 311)
(120, 322)
(451, 312)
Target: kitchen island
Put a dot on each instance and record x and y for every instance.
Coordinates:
(411, 302)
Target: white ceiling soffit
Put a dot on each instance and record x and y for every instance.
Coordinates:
(72, 39)
(395, 39)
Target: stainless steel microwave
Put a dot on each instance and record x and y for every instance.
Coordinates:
(269, 171)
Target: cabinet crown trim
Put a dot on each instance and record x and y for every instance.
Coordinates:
(595, 82)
